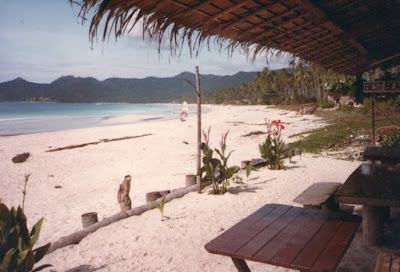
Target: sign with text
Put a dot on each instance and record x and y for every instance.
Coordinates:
(392, 86)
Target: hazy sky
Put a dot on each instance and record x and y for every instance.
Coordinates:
(41, 40)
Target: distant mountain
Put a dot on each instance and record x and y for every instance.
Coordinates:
(130, 90)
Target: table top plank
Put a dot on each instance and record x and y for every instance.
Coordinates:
(288, 253)
(373, 185)
(337, 246)
(262, 238)
(234, 238)
(283, 235)
(267, 252)
(311, 252)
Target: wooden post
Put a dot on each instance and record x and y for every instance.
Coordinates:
(373, 119)
(123, 194)
(372, 225)
(198, 92)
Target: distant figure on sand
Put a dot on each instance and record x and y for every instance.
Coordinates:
(184, 111)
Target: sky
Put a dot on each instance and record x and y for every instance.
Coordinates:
(42, 40)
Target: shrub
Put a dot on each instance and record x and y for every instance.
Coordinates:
(326, 104)
(272, 150)
(16, 242)
(345, 108)
(215, 169)
(391, 139)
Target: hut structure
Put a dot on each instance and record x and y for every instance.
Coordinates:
(346, 36)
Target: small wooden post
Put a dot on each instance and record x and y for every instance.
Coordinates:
(198, 92)
(89, 219)
(123, 194)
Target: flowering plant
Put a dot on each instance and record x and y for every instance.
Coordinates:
(217, 170)
(272, 150)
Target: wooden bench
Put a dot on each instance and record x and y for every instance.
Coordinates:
(320, 195)
(388, 262)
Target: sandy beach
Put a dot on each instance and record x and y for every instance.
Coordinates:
(67, 183)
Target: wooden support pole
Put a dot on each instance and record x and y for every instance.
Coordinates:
(241, 265)
(123, 194)
(198, 93)
(373, 225)
(373, 119)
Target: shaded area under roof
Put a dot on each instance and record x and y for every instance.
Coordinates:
(347, 36)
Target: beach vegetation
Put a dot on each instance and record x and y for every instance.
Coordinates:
(160, 206)
(216, 169)
(343, 127)
(272, 150)
(391, 140)
(237, 179)
(249, 169)
(16, 242)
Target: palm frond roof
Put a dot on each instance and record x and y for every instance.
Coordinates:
(347, 36)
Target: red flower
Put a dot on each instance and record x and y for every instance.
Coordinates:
(282, 126)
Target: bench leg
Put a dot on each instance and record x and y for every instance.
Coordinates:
(373, 225)
(241, 265)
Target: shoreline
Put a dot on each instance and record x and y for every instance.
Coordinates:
(65, 184)
(61, 122)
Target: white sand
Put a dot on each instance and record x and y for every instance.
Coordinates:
(90, 176)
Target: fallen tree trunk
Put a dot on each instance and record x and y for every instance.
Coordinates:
(76, 237)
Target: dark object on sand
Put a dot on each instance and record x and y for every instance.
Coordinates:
(190, 180)
(89, 219)
(21, 157)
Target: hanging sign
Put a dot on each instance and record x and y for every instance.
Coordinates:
(392, 86)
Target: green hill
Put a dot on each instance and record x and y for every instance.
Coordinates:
(131, 90)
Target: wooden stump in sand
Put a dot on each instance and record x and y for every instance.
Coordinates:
(89, 219)
(190, 180)
(123, 194)
(153, 196)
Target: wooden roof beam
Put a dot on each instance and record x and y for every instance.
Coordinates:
(244, 17)
(333, 27)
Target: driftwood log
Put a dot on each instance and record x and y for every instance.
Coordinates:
(76, 237)
(123, 194)
(98, 142)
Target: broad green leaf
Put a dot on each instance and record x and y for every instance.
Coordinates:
(29, 261)
(22, 256)
(40, 252)
(41, 267)
(7, 260)
(35, 232)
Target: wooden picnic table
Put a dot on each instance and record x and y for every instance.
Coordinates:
(376, 187)
(287, 236)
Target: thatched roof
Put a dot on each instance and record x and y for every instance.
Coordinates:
(347, 36)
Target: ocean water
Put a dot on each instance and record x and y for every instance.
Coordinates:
(32, 117)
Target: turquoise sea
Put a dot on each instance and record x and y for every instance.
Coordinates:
(32, 117)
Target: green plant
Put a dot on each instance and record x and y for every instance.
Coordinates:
(24, 190)
(272, 150)
(160, 207)
(326, 104)
(16, 242)
(217, 170)
(237, 179)
(392, 139)
(250, 168)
